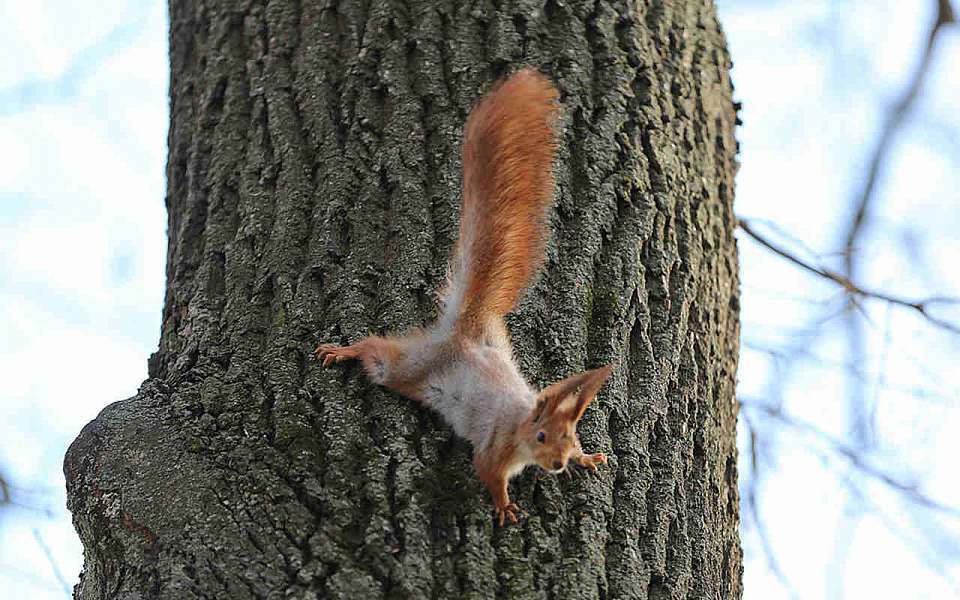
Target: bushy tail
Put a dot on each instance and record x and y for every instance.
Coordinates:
(508, 151)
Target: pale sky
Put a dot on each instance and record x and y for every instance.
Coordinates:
(83, 124)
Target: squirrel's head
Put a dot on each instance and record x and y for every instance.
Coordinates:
(552, 426)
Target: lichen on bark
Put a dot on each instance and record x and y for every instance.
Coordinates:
(313, 193)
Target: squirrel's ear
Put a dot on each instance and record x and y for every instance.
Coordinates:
(572, 396)
(540, 408)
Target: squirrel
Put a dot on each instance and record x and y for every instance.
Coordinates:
(462, 366)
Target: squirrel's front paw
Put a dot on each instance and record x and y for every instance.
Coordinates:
(510, 511)
(592, 460)
(331, 353)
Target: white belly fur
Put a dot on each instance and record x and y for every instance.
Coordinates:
(479, 393)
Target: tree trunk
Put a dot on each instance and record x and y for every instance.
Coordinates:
(313, 193)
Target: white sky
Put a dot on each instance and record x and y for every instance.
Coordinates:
(83, 119)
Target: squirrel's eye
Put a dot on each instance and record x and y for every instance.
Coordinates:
(541, 437)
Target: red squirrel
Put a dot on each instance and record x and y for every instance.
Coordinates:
(462, 366)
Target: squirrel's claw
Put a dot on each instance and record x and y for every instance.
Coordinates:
(331, 353)
(592, 460)
(323, 350)
(510, 511)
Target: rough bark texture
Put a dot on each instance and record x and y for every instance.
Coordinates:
(313, 192)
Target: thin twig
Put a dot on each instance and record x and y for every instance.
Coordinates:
(854, 458)
(854, 289)
(865, 503)
(35, 509)
(53, 563)
(753, 509)
(895, 120)
(851, 368)
(862, 432)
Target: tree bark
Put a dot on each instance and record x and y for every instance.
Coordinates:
(313, 192)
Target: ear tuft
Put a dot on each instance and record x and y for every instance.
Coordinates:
(572, 395)
(593, 381)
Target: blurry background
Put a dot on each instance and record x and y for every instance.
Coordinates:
(850, 426)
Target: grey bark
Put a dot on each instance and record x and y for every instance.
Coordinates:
(313, 192)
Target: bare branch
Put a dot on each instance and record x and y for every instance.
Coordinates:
(858, 404)
(751, 494)
(53, 563)
(854, 289)
(853, 369)
(4, 491)
(944, 16)
(921, 544)
(855, 458)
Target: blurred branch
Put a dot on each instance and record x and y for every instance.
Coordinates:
(859, 406)
(53, 563)
(856, 459)
(854, 289)
(944, 16)
(849, 453)
(923, 543)
(4, 491)
(7, 491)
(851, 368)
(48, 513)
(784, 295)
(29, 94)
(753, 509)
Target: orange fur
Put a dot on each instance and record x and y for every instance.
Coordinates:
(577, 390)
(375, 353)
(494, 468)
(559, 409)
(508, 152)
(497, 464)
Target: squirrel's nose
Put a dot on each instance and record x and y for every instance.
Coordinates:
(557, 465)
